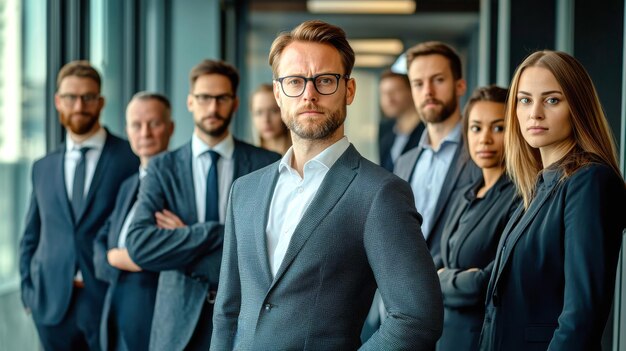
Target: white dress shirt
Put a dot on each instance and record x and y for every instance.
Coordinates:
(293, 195)
(72, 156)
(201, 162)
(121, 240)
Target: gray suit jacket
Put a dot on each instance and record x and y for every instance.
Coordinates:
(462, 172)
(188, 257)
(360, 231)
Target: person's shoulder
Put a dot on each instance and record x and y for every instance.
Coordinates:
(256, 153)
(596, 172)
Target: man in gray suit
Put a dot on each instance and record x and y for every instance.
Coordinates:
(177, 229)
(308, 240)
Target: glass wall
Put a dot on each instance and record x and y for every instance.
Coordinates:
(22, 140)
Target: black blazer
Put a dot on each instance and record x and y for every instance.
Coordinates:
(476, 228)
(54, 244)
(553, 280)
(386, 142)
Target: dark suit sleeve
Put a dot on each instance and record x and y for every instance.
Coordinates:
(404, 272)
(593, 230)
(103, 270)
(28, 245)
(156, 249)
(462, 288)
(228, 301)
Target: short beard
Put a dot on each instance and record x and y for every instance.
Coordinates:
(322, 131)
(219, 131)
(79, 128)
(447, 109)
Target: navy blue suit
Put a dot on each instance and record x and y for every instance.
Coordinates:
(553, 280)
(55, 244)
(386, 142)
(129, 302)
(189, 257)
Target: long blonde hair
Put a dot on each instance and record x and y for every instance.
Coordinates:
(593, 139)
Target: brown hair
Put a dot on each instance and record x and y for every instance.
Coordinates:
(591, 134)
(391, 74)
(436, 48)
(79, 68)
(318, 32)
(214, 67)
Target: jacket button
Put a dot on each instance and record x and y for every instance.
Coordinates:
(268, 306)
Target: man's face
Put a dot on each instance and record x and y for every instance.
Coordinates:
(148, 127)
(435, 91)
(212, 103)
(313, 116)
(395, 97)
(79, 103)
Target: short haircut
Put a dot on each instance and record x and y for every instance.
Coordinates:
(214, 67)
(391, 74)
(79, 68)
(436, 48)
(149, 95)
(317, 32)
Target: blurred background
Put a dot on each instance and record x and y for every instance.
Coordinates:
(152, 45)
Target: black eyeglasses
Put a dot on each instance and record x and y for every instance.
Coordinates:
(87, 99)
(325, 84)
(205, 99)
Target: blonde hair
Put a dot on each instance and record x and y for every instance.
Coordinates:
(591, 134)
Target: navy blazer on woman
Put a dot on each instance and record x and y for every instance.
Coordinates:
(54, 244)
(553, 280)
(475, 226)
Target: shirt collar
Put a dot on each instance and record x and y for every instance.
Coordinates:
(454, 136)
(142, 172)
(95, 141)
(224, 148)
(326, 158)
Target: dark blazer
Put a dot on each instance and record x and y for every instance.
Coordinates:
(476, 225)
(129, 301)
(462, 172)
(54, 244)
(188, 257)
(386, 142)
(552, 284)
(360, 230)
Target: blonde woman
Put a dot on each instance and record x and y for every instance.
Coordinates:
(270, 130)
(554, 274)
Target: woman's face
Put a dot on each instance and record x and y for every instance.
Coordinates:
(485, 134)
(543, 114)
(266, 116)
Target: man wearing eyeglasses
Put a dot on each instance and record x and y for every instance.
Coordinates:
(177, 229)
(74, 191)
(308, 239)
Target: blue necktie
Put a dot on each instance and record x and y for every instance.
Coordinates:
(78, 188)
(212, 195)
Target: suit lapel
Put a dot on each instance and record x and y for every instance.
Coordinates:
(454, 218)
(242, 162)
(452, 176)
(514, 233)
(265, 192)
(330, 191)
(128, 203)
(185, 164)
(405, 169)
(59, 182)
(103, 163)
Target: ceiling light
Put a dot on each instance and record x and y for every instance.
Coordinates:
(362, 6)
(368, 60)
(377, 46)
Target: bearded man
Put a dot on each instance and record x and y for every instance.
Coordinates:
(309, 239)
(177, 228)
(74, 190)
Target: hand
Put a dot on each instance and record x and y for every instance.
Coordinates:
(440, 270)
(473, 270)
(120, 259)
(168, 220)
